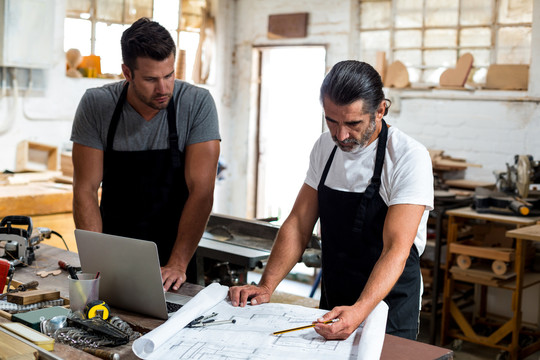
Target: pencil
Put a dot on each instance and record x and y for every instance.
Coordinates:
(305, 327)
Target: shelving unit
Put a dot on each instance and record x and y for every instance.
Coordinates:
(478, 328)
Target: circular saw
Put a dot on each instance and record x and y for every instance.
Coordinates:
(523, 175)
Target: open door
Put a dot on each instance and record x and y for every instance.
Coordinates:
(290, 121)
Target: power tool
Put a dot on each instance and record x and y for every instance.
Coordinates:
(20, 243)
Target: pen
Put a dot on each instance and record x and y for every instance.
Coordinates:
(195, 321)
(212, 322)
(305, 327)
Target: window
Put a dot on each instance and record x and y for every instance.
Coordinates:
(428, 36)
(95, 27)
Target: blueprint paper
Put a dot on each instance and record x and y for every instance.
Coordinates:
(371, 341)
(251, 336)
(214, 293)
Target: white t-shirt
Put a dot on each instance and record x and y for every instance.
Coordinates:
(407, 175)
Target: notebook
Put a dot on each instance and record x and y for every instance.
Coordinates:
(130, 273)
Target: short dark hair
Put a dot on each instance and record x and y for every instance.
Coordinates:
(146, 38)
(351, 80)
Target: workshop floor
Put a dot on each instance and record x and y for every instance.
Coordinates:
(468, 351)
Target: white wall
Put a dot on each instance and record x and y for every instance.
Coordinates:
(43, 111)
(486, 132)
(330, 23)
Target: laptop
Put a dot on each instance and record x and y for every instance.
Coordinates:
(130, 274)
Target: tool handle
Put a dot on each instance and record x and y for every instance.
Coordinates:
(64, 265)
(29, 285)
(100, 353)
(18, 220)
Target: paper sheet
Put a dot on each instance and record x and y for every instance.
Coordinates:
(214, 293)
(251, 336)
(372, 337)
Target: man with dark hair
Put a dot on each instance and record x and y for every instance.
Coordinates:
(152, 142)
(372, 197)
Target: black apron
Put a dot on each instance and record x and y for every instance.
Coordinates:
(144, 192)
(351, 231)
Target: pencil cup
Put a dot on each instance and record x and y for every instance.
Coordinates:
(82, 291)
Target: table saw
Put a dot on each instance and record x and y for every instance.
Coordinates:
(232, 246)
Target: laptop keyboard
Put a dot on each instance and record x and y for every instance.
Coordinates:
(172, 307)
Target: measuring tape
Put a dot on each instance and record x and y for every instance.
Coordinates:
(97, 308)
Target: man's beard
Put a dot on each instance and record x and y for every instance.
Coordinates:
(150, 101)
(358, 143)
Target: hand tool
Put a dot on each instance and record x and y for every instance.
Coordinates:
(72, 270)
(212, 323)
(23, 287)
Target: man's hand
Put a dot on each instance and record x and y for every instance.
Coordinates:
(172, 277)
(239, 295)
(349, 321)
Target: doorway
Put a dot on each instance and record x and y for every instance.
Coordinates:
(290, 121)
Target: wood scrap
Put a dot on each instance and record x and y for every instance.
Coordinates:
(456, 77)
(33, 296)
(33, 156)
(469, 184)
(507, 77)
(397, 75)
(381, 65)
(443, 162)
(45, 273)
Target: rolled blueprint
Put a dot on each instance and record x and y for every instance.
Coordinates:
(373, 332)
(206, 299)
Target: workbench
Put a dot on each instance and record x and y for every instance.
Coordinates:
(47, 258)
(49, 204)
(479, 328)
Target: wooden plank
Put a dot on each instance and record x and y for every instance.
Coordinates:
(492, 253)
(468, 212)
(35, 199)
(468, 184)
(525, 233)
(507, 77)
(11, 348)
(33, 296)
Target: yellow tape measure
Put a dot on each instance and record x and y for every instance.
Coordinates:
(97, 308)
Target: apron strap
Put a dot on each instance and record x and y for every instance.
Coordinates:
(327, 167)
(173, 135)
(116, 117)
(375, 183)
(176, 156)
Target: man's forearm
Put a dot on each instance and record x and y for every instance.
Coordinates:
(384, 276)
(86, 214)
(190, 229)
(286, 251)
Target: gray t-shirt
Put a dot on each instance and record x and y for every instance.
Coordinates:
(196, 120)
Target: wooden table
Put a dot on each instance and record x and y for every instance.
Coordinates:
(47, 258)
(451, 311)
